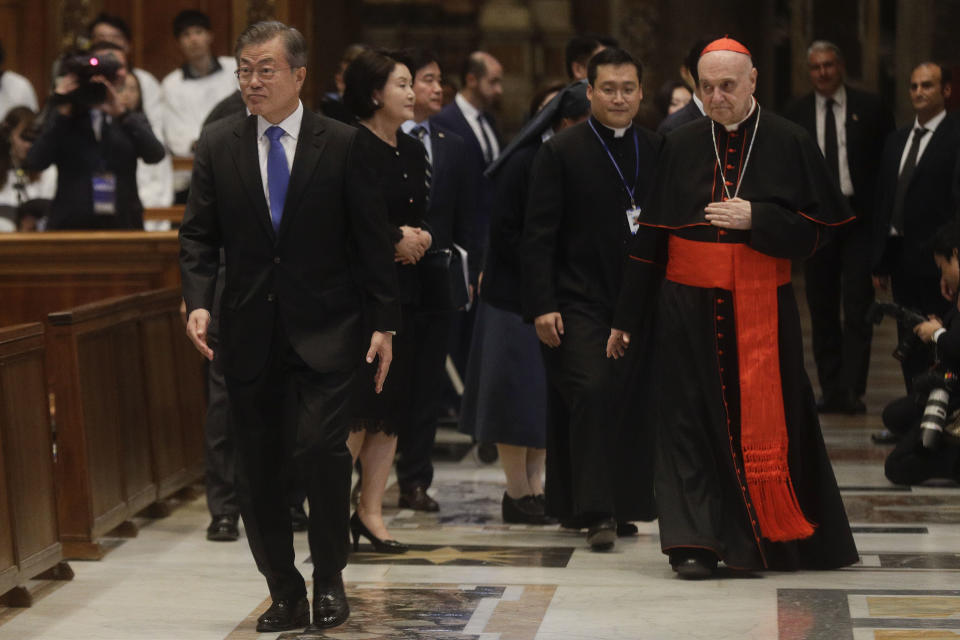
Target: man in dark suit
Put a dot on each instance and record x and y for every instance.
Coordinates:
(95, 148)
(693, 109)
(849, 127)
(450, 213)
(586, 188)
(307, 252)
(917, 196)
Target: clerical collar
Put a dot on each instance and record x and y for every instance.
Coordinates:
(697, 101)
(190, 74)
(611, 131)
(753, 107)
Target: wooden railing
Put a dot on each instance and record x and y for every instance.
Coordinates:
(29, 537)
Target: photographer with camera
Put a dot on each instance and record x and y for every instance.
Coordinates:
(95, 141)
(923, 418)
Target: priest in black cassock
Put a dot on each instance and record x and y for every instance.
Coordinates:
(586, 185)
(742, 474)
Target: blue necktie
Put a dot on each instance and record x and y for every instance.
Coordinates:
(278, 175)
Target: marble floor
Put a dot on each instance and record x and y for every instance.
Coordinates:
(470, 577)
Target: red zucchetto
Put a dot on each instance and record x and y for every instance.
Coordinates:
(726, 44)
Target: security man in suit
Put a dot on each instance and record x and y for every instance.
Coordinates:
(307, 253)
(849, 127)
(917, 196)
(453, 182)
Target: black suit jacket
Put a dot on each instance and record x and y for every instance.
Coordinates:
(575, 232)
(69, 143)
(330, 257)
(677, 119)
(453, 194)
(867, 125)
(930, 199)
(452, 119)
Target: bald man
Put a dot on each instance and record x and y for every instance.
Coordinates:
(742, 475)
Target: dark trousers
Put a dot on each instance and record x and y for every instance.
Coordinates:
(581, 390)
(432, 335)
(922, 294)
(292, 417)
(838, 279)
(218, 443)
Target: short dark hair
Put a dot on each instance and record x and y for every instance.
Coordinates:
(475, 66)
(367, 73)
(665, 95)
(946, 73)
(613, 56)
(416, 58)
(580, 48)
(693, 57)
(116, 22)
(946, 240)
(294, 44)
(190, 18)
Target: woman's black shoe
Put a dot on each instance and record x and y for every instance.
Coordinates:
(357, 528)
(525, 510)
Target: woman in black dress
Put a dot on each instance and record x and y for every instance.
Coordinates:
(379, 91)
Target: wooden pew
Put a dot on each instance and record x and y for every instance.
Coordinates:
(45, 272)
(128, 389)
(174, 214)
(29, 541)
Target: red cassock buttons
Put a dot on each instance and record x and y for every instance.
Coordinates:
(732, 150)
(729, 166)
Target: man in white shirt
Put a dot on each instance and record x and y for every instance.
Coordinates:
(15, 90)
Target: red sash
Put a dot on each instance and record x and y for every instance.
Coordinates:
(753, 279)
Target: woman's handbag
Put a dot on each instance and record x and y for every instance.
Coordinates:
(443, 279)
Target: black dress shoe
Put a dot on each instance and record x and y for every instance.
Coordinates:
(330, 607)
(626, 529)
(525, 510)
(285, 615)
(602, 534)
(223, 528)
(693, 564)
(298, 518)
(842, 403)
(885, 437)
(416, 498)
(357, 528)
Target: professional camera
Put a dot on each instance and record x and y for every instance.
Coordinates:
(85, 66)
(939, 387)
(906, 318)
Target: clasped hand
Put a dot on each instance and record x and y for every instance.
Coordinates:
(925, 330)
(735, 213)
(412, 246)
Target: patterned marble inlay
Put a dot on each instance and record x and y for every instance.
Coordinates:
(469, 556)
(380, 611)
(940, 508)
(461, 504)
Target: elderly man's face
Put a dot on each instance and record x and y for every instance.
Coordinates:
(269, 86)
(727, 82)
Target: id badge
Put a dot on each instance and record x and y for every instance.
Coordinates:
(633, 219)
(104, 194)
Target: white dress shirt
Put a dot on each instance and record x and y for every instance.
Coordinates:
(470, 112)
(931, 126)
(408, 126)
(291, 131)
(16, 91)
(840, 118)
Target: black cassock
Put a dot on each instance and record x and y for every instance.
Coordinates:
(575, 240)
(702, 498)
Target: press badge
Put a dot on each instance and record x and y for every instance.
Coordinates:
(633, 219)
(104, 194)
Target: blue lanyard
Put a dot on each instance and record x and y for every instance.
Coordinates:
(636, 148)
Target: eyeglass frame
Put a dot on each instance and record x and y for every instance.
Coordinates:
(259, 73)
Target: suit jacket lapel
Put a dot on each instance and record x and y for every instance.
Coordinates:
(438, 144)
(247, 160)
(310, 145)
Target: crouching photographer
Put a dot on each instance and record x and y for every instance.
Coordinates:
(928, 420)
(94, 141)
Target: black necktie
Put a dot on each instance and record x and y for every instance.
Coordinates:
(909, 165)
(486, 143)
(830, 148)
(421, 132)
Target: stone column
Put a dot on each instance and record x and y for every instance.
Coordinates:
(507, 31)
(914, 44)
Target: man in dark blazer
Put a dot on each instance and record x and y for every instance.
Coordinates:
(95, 149)
(453, 179)
(587, 186)
(917, 196)
(838, 275)
(307, 253)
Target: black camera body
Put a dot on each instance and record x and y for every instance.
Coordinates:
(907, 318)
(85, 67)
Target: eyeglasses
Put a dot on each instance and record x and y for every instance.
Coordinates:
(245, 74)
